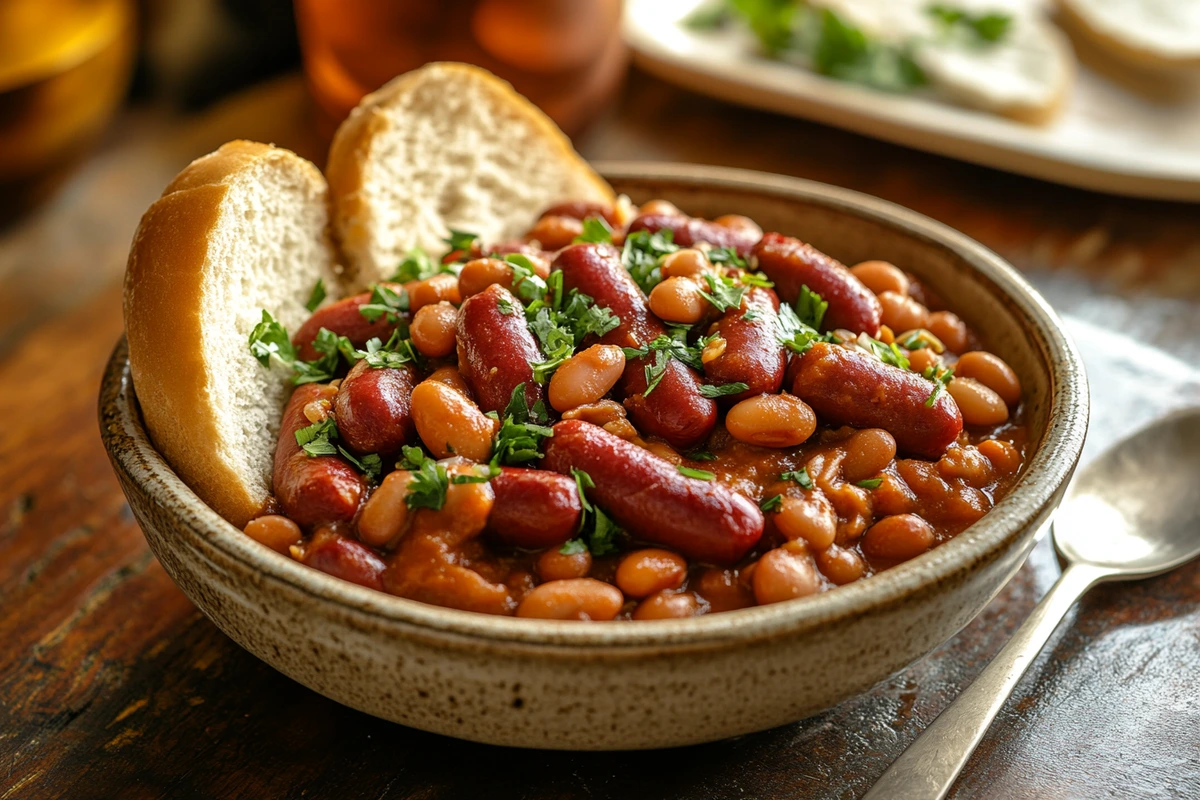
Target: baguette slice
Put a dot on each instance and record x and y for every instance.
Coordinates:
(445, 146)
(1152, 34)
(240, 230)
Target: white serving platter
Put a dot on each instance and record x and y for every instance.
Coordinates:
(1118, 132)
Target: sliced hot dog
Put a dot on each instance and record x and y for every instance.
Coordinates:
(849, 387)
(791, 264)
(646, 495)
(313, 490)
(534, 508)
(374, 408)
(753, 354)
(344, 319)
(687, 231)
(496, 349)
(344, 558)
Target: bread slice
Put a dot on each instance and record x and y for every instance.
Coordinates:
(1153, 34)
(445, 146)
(240, 230)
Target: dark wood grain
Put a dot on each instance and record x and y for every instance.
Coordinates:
(113, 685)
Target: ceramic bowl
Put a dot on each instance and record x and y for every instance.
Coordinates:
(621, 685)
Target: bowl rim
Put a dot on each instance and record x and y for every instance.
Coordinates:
(1033, 496)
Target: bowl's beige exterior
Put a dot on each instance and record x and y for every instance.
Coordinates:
(534, 683)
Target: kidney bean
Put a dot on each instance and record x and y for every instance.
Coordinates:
(374, 409)
(495, 349)
(648, 497)
(688, 231)
(533, 508)
(312, 490)
(791, 264)
(849, 387)
(675, 410)
(344, 558)
(343, 318)
(574, 598)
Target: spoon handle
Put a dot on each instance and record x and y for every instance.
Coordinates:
(928, 768)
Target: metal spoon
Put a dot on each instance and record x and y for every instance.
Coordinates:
(1132, 513)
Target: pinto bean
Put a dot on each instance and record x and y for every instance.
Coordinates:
(993, 372)
(881, 276)
(374, 408)
(785, 573)
(433, 329)
(495, 349)
(553, 565)
(668, 605)
(771, 420)
(480, 273)
(574, 598)
(689, 231)
(555, 231)
(791, 264)
(312, 490)
(586, 377)
(449, 423)
(533, 508)
(276, 532)
(647, 496)
(849, 387)
(343, 318)
(752, 353)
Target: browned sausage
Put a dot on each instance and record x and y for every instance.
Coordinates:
(790, 264)
(849, 387)
(753, 354)
(313, 490)
(374, 409)
(533, 508)
(688, 231)
(647, 496)
(496, 349)
(344, 319)
(675, 410)
(344, 558)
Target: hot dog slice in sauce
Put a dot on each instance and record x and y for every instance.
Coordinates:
(496, 349)
(752, 354)
(534, 508)
(791, 264)
(374, 409)
(647, 496)
(687, 231)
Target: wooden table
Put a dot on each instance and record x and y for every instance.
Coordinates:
(112, 684)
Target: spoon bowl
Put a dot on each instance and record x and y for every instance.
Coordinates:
(1135, 510)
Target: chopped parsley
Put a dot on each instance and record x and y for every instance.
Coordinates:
(941, 377)
(522, 432)
(596, 529)
(317, 296)
(672, 345)
(725, 255)
(596, 230)
(700, 455)
(396, 353)
(384, 302)
(799, 476)
(771, 504)
(319, 438)
(506, 307)
(699, 474)
(492, 471)
(985, 29)
(887, 353)
(810, 308)
(460, 240)
(723, 390)
(429, 483)
(526, 284)
(270, 340)
(793, 333)
(416, 266)
(722, 292)
(642, 254)
(751, 315)
(560, 327)
(573, 547)
(870, 483)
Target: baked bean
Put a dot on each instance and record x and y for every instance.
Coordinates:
(967, 464)
(1004, 457)
(723, 589)
(992, 372)
(555, 231)
(276, 532)
(898, 538)
(601, 412)
(586, 376)
(433, 329)
(480, 273)
(434, 289)
(886, 334)
(385, 514)
(678, 300)
(950, 329)
(452, 378)
(553, 565)
(880, 277)
(687, 263)
(714, 349)
(739, 222)
(450, 424)
(979, 404)
(840, 565)
(868, 452)
(663, 451)
(668, 605)
(644, 572)
(785, 573)
(317, 410)
(771, 420)
(810, 517)
(573, 598)
(902, 313)
(659, 207)
(922, 359)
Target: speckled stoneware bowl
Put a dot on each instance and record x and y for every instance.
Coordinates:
(617, 685)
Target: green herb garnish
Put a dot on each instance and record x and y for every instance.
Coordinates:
(595, 527)
(810, 308)
(722, 292)
(384, 302)
(870, 483)
(799, 476)
(319, 438)
(522, 432)
(416, 266)
(596, 230)
(317, 295)
(771, 504)
(941, 377)
(642, 254)
(700, 455)
(723, 390)
(699, 474)
(460, 240)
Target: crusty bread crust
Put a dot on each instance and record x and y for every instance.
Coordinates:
(1139, 57)
(164, 287)
(350, 158)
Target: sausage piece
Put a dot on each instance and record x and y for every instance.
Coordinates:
(313, 490)
(344, 558)
(344, 319)
(753, 354)
(687, 231)
(790, 264)
(675, 410)
(533, 508)
(849, 387)
(496, 349)
(374, 409)
(648, 497)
